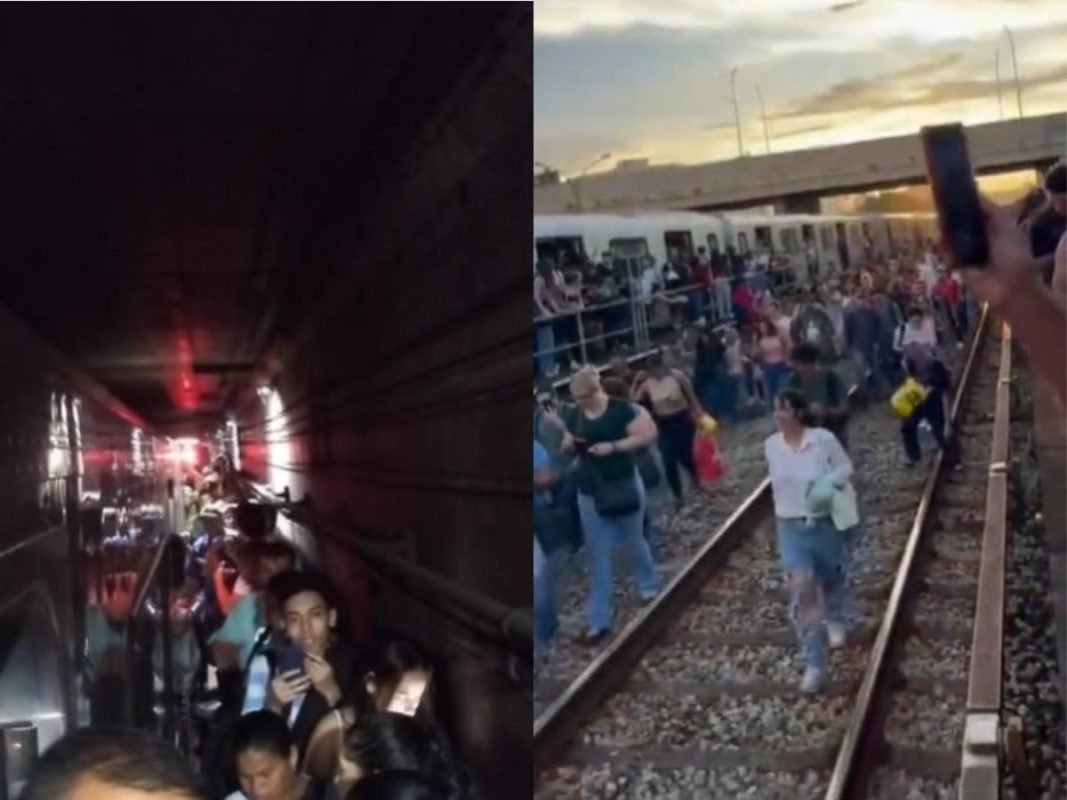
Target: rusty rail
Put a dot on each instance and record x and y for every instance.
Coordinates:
(859, 746)
(980, 761)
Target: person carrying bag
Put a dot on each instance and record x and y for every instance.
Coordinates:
(605, 434)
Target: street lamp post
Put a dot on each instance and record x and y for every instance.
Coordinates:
(763, 113)
(1015, 70)
(737, 111)
(574, 182)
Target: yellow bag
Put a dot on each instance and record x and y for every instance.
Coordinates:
(708, 426)
(908, 398)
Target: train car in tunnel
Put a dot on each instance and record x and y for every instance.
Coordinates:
(272, 233)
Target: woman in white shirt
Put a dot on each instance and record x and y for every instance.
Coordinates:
(806, 466)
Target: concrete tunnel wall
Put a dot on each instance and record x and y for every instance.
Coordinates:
(411, 381)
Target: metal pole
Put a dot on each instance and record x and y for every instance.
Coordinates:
(763, 113)
(737, 112)
(581, 337)
(1015, 70)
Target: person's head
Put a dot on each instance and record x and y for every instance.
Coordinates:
(399, 678)
(386, 741)
(586, 388)
(399, 784)
(251, 520)
(265, 757)
(619, 367)
(270, 559)
(656, 364)
(804, 358)
(1056, 187)
(308, 610)
(616, 388)
(915, 315)
(112, 764)
(211, 522)
(790, 410)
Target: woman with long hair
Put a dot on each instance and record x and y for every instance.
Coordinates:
(675, 408)
(773, 357)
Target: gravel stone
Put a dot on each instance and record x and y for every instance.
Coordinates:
(895, 784)
(721, 723)
(925, 658)
(926, 720)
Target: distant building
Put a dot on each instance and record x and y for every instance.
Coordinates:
(632, 164)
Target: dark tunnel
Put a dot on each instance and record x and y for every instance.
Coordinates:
(284, 219)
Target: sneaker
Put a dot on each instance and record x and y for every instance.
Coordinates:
(836, 635)
(814, 681)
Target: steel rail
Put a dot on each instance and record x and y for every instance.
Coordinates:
(980, 764)
(557, 725)
(859, 747)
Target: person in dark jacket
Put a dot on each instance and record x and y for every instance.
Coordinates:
(935, 377)
(865, 335)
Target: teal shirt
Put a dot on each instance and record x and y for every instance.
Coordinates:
(241, 626)
(609, 427)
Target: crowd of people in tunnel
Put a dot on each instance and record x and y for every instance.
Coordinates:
(281, 702)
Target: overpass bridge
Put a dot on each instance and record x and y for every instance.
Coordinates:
(795, 181)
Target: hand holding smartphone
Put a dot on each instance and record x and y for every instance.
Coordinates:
(959, 210)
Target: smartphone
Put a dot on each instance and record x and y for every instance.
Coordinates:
(581, 446)
(959, 211)
(408, 693)
(289, 657)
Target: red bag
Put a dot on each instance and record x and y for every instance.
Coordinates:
(707, 459)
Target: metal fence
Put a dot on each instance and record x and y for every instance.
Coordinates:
(598, 332)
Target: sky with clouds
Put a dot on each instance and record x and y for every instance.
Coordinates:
(651, 78)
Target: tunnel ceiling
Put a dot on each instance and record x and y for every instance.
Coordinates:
(169, 171)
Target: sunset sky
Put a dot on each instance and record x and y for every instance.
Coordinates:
(650, 78)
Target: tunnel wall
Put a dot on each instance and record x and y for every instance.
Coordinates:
(50, 414)
(406, 386)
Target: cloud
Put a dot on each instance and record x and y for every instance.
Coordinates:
(860, 95)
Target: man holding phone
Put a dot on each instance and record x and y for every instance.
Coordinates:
(312, 662)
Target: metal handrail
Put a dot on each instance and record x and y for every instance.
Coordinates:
(845, 772)
(980, 758)
(515, 625)
(146, 581)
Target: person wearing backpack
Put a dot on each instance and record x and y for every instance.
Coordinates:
(823, 390)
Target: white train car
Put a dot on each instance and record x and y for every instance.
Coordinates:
(841, 241)
(566, 238)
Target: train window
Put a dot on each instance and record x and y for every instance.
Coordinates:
(630, 253)
(788, 237)
(742, 242)
(763, 239)
(679, 243)
(563, 251)
(713, 243)
(826, 236)
(855, 238)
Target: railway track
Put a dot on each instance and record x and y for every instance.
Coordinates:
(698, 697)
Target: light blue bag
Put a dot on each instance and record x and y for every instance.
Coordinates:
(820, 497)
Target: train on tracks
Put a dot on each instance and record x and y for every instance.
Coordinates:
(840, 241)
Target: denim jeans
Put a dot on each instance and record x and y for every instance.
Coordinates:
(544, 341)
(546, 618)
(602, 536)
(814, 558)
(775, 376)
